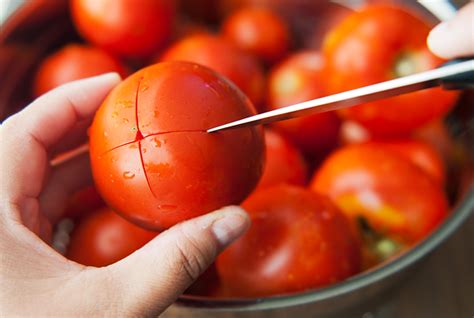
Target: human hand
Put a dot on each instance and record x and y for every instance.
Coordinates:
(454, 38)
(35, 279)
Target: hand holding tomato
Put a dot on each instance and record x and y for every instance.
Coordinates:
(35, 277)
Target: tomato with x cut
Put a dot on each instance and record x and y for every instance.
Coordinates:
(152, 159)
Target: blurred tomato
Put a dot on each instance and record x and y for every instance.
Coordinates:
(103, 238)
(284, 163)
(298, 240)
(258, 31)
(73, 62)
(376, 44)
(208, 284)
(83, 202)
(297, 79)
(152, 160)
(130, 28)
(394, 196)
(219, 55)
(421, 154)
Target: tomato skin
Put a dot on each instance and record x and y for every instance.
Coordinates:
(297, 79)
(103, 238)
(258, 31)
(298, 240)
(397, 198)
(83, 202)
(221, 56)
(284, 163)
(73, 62)
(129, 28)
(370, 46)
(419, 153)
(167, 168)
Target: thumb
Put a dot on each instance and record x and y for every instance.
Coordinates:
(150, 279)
(454, 38)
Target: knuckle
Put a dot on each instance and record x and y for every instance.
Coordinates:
(192, 257)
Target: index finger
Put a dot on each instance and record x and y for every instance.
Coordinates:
(52, 115)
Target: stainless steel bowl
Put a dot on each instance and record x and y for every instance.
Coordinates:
(34, 28)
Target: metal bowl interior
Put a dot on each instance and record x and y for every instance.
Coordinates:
(40, 26)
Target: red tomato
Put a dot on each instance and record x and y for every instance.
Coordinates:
(73, 62)
(396, 197)
(152, 160)
(284, 163)
(103, 238)
(421, 154)
(83, 202)
(130, 28)
(298, 79)
(258, 31)
(298, 240)
(380, 43)
(221, 56)
(207, 284)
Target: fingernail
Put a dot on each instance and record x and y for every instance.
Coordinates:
(231, 225)
(112, 75)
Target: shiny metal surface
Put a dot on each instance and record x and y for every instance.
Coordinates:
(357, 96)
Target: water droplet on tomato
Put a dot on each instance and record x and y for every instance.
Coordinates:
(157, 142)
(124, 120)
(128, 175)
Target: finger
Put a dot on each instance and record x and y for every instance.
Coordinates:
(27, 135)
(454, 38)
(64, 180)
(153, 277)
(64, 107)
(75, 137)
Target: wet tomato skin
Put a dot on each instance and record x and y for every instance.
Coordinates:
(397, 198)
(298, 240)
(283, 164)
(299, 78)
(129, 28)
(152, 160)
(376, 44)
(258, 31)
(103, 238)
(220, 55)
(73, 62)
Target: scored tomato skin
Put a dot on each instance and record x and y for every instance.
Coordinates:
(258, 31)
(103, 238)
(73, 62)
(167, 168)
(129, 28)
(283, 164)
(397, 198)
(220, 55)
(298, 240)
(299, 78)
(376, 44)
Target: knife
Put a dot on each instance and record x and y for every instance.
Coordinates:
(456, 74)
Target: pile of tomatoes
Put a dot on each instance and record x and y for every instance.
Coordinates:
(329, 195)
